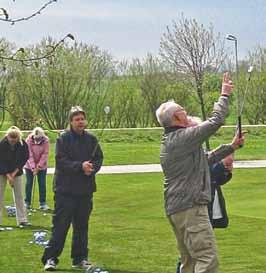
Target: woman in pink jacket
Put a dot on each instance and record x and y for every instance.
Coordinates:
(36, 165)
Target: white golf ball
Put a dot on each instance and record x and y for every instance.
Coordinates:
(9, 228)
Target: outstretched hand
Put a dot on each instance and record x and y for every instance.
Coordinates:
(227, 85)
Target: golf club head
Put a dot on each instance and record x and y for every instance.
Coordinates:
(230, 37)
(95, 269)
(107, 109)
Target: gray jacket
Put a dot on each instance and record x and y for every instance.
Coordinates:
(184, 163)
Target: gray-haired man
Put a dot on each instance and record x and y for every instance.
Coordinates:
(187, 180)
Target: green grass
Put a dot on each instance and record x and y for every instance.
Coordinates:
(129, 232)
(142, 147)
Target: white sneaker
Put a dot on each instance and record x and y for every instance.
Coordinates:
(84, 264)
(44, 207)
(50, 265)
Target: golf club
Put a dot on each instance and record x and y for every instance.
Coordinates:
(239, 125)
(106, 110)
(33, 194)
(246, 88)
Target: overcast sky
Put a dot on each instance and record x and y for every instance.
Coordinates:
(133, 28)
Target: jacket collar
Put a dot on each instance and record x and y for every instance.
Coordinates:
(5, 140)
(76, 134)
(43, 139)
(168, 130)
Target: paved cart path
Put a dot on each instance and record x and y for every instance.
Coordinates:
(155, 168)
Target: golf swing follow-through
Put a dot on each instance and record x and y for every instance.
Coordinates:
(240, 105)
(187, 189)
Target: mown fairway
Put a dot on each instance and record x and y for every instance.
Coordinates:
(143, 146)
(130, 234)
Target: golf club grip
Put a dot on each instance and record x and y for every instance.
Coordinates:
(239, 128)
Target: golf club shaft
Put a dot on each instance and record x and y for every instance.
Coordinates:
(33, 192)
(245, 93)
(99, 138)
(239, 126)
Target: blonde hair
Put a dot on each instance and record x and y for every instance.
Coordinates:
(14, 132)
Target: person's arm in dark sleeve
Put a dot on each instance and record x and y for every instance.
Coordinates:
(24, 156)
(219, 153)
(63, 160)
(3, 165)
(21, 159)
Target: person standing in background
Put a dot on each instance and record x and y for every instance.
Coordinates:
(13, 156)
(78, 158)
(36, 165)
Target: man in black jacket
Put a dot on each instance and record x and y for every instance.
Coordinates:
(78, 158)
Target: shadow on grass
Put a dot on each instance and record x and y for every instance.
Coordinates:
(123, 271)
(67, 270)
(110, 270)
(36, 228)
(31, 228)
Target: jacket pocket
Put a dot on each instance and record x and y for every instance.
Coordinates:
(200, 240)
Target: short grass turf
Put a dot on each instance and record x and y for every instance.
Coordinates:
(129, 232)
(143, 146)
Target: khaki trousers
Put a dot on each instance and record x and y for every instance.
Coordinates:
(21, 213)
(195, 240)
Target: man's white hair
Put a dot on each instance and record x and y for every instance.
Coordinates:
(165, 113)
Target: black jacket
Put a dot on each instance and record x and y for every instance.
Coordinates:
(219, 176)
(71, 151)
(14, 157)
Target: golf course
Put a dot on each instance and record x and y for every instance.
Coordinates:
(129, 232)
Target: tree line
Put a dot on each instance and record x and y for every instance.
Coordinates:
(187, 69)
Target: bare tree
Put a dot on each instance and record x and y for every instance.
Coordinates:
(3, 93)
(5, 17)
(257, 58)
(192, 49)
(8, 54)
(255, 105)
(5, 76)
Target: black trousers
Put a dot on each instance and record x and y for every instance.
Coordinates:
(73, 210)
